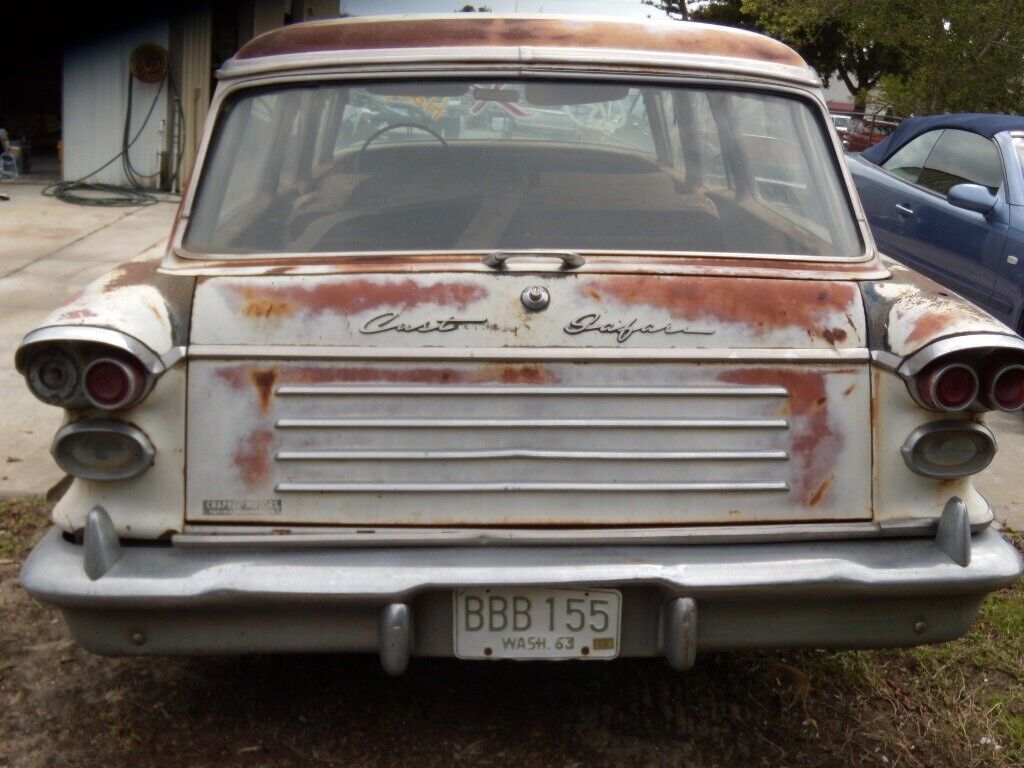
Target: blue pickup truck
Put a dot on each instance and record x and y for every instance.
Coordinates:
(945, 195)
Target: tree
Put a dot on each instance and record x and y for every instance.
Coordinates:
(473, 9)
(729, 13)
(674, 9)
(833, 36)
(927, 56)
(962, 56)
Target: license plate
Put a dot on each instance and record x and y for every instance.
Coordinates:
(537, 623)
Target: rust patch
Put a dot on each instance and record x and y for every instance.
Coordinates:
(762, 305)
(347, 297)
(821, 491)
(266, 307)
(78, 314)
(264, 380)
(815, 446)
(242, 376)
(834, 335)
(132, 273)
(527, 373)
(849, 390)
(357, 34)
(928, 326)
(252, 457)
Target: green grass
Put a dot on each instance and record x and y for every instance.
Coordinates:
(959, 703)
(22, 521)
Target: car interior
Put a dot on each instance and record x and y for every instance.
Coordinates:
(458, 166)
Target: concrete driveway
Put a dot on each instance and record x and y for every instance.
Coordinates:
(49, 249)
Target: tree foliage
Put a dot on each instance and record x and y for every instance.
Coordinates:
(833, 36)
(927, 56)
(674, 9)
(727, 12)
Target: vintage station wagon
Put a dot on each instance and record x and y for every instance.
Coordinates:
(510, 337)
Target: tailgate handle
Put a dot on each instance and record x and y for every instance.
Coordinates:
(499, 259)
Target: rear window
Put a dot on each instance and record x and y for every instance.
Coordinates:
(427, 166)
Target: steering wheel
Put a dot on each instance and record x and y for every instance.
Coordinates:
(380, 131)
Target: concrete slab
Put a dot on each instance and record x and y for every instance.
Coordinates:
(48, 250)
(1002, 481)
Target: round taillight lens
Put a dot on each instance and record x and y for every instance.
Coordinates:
(1006, 391)
(112, 384)
(949, 388)
(53, 377)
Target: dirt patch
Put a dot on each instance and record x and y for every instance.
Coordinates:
(960, 704)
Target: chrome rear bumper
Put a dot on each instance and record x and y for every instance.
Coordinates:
(397, 601)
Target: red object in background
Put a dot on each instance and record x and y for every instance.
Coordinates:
(866, 132)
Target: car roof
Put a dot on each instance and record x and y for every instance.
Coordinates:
(536, 37)
(986, 125)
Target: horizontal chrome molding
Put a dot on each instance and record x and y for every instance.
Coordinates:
(568, 354)
(517, 453)
(512, 487)
(331, 423)
(200, 536)
(752, 391)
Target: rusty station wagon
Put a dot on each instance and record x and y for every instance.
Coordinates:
(507, 337)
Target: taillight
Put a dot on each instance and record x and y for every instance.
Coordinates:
(1005, 388)
(53, 376)
(111, 384)
(81, 376)
(102, 450)
(948, 386)
(949, 449)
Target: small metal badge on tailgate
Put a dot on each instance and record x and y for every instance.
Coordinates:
(243, 507)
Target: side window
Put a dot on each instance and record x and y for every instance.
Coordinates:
(959, 157)
(909, 161)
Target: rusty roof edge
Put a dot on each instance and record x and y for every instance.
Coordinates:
(603, 58)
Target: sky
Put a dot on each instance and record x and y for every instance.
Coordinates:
(632, 8)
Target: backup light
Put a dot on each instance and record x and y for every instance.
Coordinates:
(102, 450)
(949, 449)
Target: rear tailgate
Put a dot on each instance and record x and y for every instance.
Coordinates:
(441, 400)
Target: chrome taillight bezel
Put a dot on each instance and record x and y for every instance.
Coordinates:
(928, 385)
(982, 353)
(142, 459)
(913, 448)
(81, 347)
(990, 389)
(136, 383)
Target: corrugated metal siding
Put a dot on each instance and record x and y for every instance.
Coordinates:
(268, 15)
(95, 96)
(196, 35)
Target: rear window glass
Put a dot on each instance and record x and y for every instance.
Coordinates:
(427, 166)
